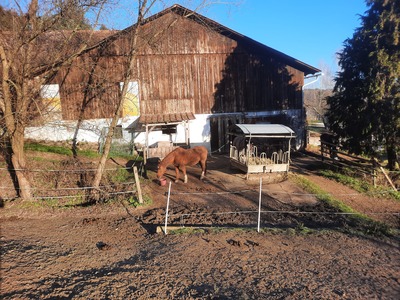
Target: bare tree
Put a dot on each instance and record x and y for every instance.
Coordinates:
(26, 67)
(327, 80)
(315, 103)
(144, 7)
(315, 95)
(133, 37)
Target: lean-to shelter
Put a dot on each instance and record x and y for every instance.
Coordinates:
(260, 148)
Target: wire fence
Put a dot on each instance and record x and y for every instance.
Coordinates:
(63, 170)
(129, 183)
(182, 217)
(119, 188)
(56, 183)
(129, 189)
(353, 169)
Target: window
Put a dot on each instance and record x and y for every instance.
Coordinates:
(168, 129)
(51, 103)
(131, 102)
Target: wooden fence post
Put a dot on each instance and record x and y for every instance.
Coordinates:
(388, 179)
(135, 171)
(374, 175)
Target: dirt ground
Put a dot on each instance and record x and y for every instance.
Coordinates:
(113, 251)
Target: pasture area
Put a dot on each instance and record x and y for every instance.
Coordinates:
(305, 249)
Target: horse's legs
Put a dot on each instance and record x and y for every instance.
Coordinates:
(203, 169)
(183, 169)
(176, 174)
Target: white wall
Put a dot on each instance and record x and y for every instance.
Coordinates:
(90, 130)
(199, 134)
(199, 130)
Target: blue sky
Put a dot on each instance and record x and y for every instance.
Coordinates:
(311, 31)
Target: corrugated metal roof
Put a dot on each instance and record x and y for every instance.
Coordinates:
(266, 129)
(166, 118)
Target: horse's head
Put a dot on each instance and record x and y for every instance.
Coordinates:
(160, 169)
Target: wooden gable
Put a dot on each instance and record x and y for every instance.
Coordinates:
(189, 64)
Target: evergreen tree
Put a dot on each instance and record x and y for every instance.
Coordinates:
(364, 110)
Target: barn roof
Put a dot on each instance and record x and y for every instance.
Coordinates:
(166, 118)
(159, 120)
(256, 47)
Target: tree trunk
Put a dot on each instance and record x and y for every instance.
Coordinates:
(95, 195)
(22, 73)
(18, 161)
(391, 155)
(15, 130)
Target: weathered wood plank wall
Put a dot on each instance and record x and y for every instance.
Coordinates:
(181, 67)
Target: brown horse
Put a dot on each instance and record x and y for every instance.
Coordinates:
(180, 158)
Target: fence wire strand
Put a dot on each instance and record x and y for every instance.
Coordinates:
(281, 212)
(76, 188)
(66, 171)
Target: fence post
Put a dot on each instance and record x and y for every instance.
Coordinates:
(166, 210)
(259, 206)
(388, 179)
(322, 151)
(373, 171)
(135, 171)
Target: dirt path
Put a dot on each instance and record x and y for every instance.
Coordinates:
(378, 208)
(112, 252)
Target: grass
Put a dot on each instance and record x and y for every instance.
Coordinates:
(34, 146)
(361, 186)
(53, 203)
(120, 175)
(134, 201)
(186, 230)
(114, 152)
(321, 194)
(111, 177)
(361, 221)
(316, 129)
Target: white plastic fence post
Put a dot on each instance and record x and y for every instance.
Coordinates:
(259, 206)
(166, 210)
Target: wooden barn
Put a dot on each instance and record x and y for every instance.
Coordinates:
(193, 78)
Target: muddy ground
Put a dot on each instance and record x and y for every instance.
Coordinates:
(304, 250)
